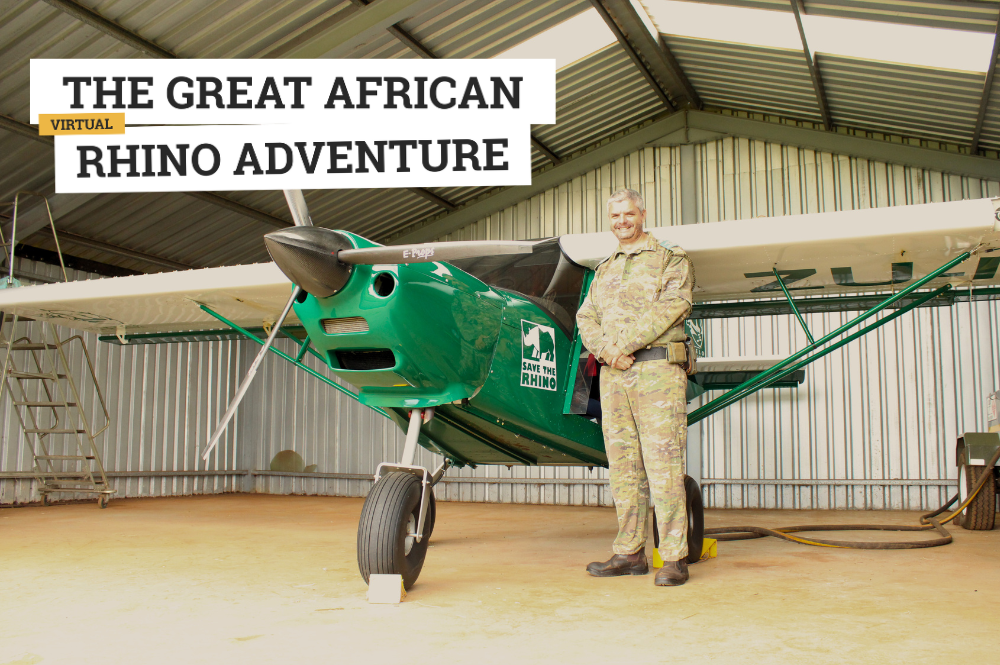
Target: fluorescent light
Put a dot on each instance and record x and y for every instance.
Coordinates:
(893, 42)
(566, 42)
(870, 40)
(722, 23)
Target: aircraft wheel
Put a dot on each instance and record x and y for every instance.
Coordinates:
(431, 514)
(981, 513)
(696, 521)
(391, 511)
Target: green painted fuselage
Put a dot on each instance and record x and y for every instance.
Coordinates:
(493, 364)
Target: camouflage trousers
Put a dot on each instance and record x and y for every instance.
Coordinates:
(645, 434)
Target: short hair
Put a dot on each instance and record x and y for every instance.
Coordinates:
(627, 195)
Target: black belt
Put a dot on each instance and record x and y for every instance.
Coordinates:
(655, 353)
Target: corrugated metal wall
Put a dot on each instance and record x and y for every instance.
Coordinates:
(163, 401)
(873, 426)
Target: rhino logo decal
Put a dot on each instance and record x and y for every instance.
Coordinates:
(538, 356)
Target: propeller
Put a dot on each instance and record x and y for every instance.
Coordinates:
(321, 260)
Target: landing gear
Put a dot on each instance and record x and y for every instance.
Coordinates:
(399, 514)
(387, 541)
(695, 518)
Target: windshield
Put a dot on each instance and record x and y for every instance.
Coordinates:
(546, 277)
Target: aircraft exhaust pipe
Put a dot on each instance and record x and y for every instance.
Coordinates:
(308, 257)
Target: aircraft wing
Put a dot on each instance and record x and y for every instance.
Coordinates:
(248, 295)
(879, 249)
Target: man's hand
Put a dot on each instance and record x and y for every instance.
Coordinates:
(623, 362)
(613, 356)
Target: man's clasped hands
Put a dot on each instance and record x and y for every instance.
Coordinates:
(614, 357)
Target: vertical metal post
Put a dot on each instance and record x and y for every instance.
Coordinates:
(412, 432)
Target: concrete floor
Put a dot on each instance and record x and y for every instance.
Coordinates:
(273, 579)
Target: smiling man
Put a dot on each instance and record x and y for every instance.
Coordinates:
(633, 321)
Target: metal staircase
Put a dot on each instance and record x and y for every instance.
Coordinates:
(38, 376)
(46, 398)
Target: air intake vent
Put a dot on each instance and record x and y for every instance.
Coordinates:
(350, 324)
(366, 360)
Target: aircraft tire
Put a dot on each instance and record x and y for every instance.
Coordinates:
(391, 509)
(431, 514)
(981, 513)
(696, 521)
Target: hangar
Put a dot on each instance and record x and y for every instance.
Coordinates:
(711, 124)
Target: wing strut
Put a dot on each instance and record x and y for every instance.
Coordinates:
(248, 379)
(300, 215)
(774, 374)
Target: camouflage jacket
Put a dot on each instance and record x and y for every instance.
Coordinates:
(638, 298)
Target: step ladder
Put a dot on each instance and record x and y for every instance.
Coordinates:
(38, 378)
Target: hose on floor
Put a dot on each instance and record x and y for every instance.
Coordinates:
(928, 522)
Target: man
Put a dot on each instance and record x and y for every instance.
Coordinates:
(633, 320)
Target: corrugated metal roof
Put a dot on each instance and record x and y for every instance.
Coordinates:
(598, 96)
(752, 78)
(902, 99)
(977, 15)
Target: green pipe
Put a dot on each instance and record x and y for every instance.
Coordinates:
(302, 349)
(749, 386)
(308, 370)
(791, 303)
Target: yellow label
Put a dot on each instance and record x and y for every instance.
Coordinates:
(81, 123)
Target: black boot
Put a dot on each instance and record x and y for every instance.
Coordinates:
(673, 573)
(620, 564)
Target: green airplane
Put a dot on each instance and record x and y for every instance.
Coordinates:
(472, 348)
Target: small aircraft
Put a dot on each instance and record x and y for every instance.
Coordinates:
(472, 347)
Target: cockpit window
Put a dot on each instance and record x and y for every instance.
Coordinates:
(546, 277)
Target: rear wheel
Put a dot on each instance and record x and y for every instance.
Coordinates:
(391, 512)
(695, 518)
(980, 514)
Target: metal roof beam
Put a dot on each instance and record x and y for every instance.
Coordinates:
(544, 149)
(433, 198)
(402, 35)
(110, 28)
(66, 236)
(798, 8)
(678, 127)
(630, 32)
(365, 23)
(987, 90)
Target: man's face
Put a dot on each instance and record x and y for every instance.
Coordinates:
(626, 220)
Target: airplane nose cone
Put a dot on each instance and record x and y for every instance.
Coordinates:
(308, 257)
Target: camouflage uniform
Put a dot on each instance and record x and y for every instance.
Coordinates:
(639, 299)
